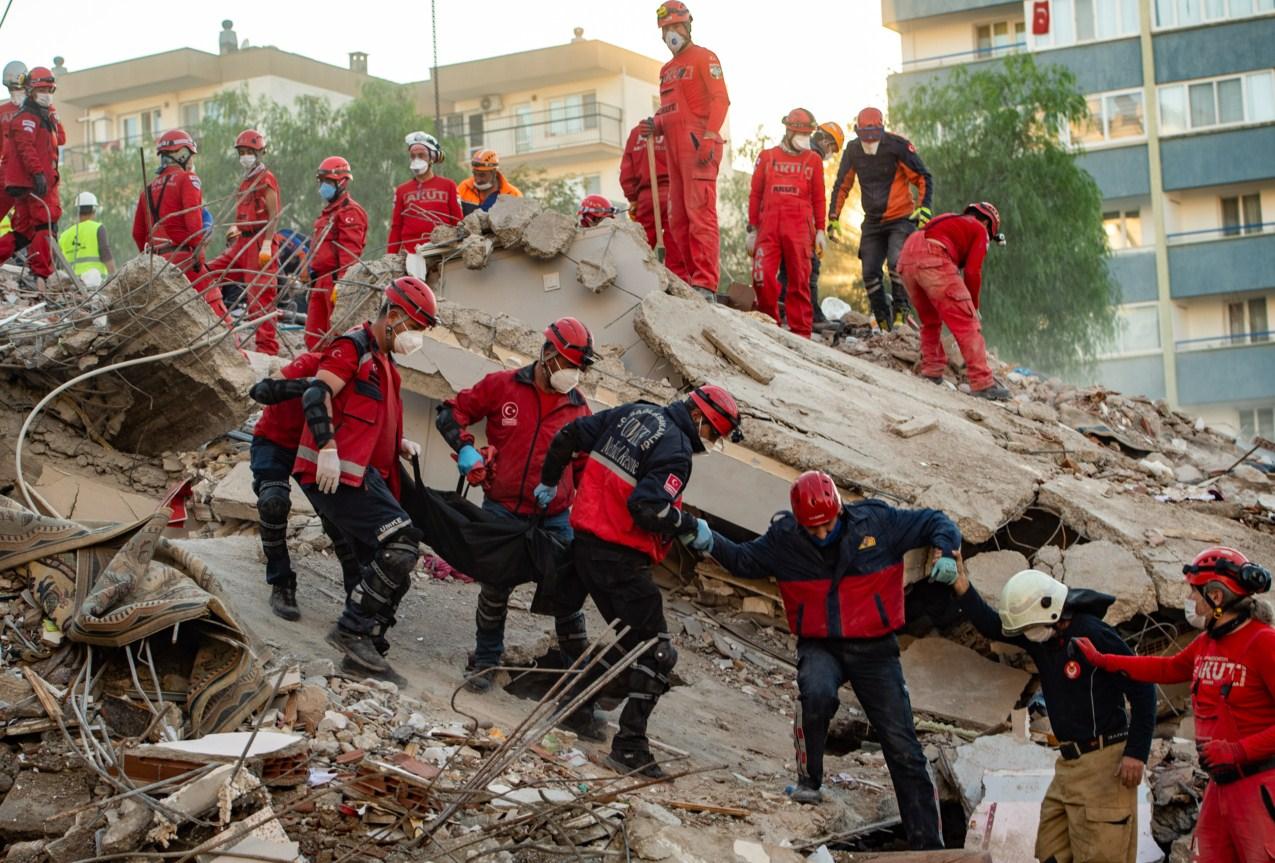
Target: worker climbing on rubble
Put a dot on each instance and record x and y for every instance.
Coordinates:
(425, 201)
(942, 267)
(627, 511)
(340, 233)
(635, 180)
(887, 166)
(593, 209)
(840, 573)
(826, 142)
(480, 190)
(1090, 811)
(249, 258)
(693, 104)
(524, 409)
(33, 137)
(1231, 667)
(15, 72)
(348, 463)
(786, 220)
(272, 454)
(84, 244)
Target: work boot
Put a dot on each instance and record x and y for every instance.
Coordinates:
(478, 679)
(900, 319)
(358, 649)
(707, 293)
(641, 763)
(283, 600)
(586, 723)
(996, 392)
(937, 380)
(806, 793)
(350, 669)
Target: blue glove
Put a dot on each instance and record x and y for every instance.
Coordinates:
(944, 571)
(702, 539)
(467, 459)
(544, 494)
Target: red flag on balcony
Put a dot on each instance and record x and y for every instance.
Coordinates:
(1040, 17)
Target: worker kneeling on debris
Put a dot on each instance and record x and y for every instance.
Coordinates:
(347, 464)
(1231, 667)
(1090, 812)
(840, 573)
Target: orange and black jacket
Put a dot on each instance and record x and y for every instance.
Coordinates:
(885, 180)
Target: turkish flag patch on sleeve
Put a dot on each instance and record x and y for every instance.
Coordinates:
(673, 485)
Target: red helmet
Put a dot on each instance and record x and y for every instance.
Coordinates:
(174, 140)
(250, 139)
(671, 13)
(415, 298)
(870, 125)
(990, 213)
(1228, 567)
(39, 78)
(719, 408)
(799, 120)
(334, 168)
(572, 340)
(814, 499)
(593, 209)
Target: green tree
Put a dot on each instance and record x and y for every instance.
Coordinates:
(993, 135)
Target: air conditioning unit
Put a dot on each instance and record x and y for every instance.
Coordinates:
(492, 103)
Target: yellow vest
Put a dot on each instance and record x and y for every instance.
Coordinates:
(79, 244)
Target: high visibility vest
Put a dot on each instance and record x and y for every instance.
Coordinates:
(79, 244)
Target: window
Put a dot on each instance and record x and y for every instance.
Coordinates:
(454, 126)
(1137, 329)
(140, 128)
(475, 130)
(997, 38)
(1242, 214)
(1246, 321)
(1257, 421)
(212, 109)
(1187, 13)
(1257, 326)
(522, 128)
(1124, 229)
(566, 115)
(1075, 21)
(1112, 117)
(592, 184)
(1219, 102)
(190, 114)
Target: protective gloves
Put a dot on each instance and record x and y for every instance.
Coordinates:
(750, 241)
(409, 448)
(821, 242)
(1091, 654)
(652, 126)
(921, 215)
(467, 459)
(707, 149)
(264, 256)
(701, 540)
(944, 571)
(544, 494)
(328, 475)
(834, 229)
(1221, 754)
(39, 185)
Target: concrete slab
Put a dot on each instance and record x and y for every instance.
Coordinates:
(990, 571)
(1111, 568)
(85, 499)
(941, 675)
(29, 808)
(234, 498)
(1002, 752)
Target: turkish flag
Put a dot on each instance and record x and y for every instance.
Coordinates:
(1040, 17)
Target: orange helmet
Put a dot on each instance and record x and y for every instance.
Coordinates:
(870, 125)
(572, 340)
(799, 120)
(250, 139)
(814, 499)
(672, 12)
(593, 209)
(39, 78)
(415, 298)
(485, 160)
(719, 408)
(336, 169)
(1229, 568)
(833, 131)
(174, 140)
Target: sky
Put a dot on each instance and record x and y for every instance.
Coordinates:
(831, 57)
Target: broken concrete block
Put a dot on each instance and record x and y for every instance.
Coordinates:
(1250, 475)
(758, 605)
(443, 234)
(596, 273)
(990, 571)
(127, 827)
(1034, 410)
(995, 752)
(312, 705)
(915, 426)
(941, 675)
(1048, 559)
(1157, 469)
(32, 806)
(509, 218)
(234, 498)
(1188, 474)
(476, 223)
(548, 234)
(475, 251)
(1112, 569)
(278, 758)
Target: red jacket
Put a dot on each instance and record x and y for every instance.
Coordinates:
(521, 421)
(251, 214)
(170, 212)
(635, 166)
(7, 110)
(693, 91)
(787, 183)
(282, 423)
(419, 207)
(340, 233)
(34, 136)
(965, 239)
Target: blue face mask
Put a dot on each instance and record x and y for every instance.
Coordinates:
(327, 191)
(832, 537)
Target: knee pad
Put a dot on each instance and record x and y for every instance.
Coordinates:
(493, 608)
(648, 678)
(386, 581)
(571, 630)
(818, 706)
(20, 241)
(274, 503)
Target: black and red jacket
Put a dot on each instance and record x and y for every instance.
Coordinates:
(282, 423)
(852, 588)
(630, 492)
(521, 422)
(885, 180)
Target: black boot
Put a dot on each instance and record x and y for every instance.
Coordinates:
(283, 599)
(358, 649)
(586, 723)
(806, 793)
(641, 762)
(879, 302)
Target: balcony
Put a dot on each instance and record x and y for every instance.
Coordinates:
(1134, 271)
(1219, 49)
(556, 136)
(1227, 374)
(1120, 172)
(81, 160)
(895, 12)
(1206, 263)
(960, 58)
(1139, 375)
(1242, 155)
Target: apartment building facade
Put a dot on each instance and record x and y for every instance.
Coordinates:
(1181, 142)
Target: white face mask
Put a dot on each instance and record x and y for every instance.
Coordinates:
(483, 185)
(870, 147)
(44, 100)
(1038, 634)
(674, 40)
(801, 142)
(16, 96)
(247, 162)
(1193, 617)
(419, 166)
(564, 380)
(407, 342)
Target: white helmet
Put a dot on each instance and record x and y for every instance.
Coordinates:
(14, 72)
(86, 199)
(1031, 598)
(426, 140)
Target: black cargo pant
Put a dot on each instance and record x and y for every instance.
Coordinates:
(871, 667)
(880, 243)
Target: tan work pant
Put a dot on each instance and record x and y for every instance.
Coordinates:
(1087, 815)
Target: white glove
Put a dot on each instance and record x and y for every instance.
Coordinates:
(750, 242)
(821, 240)
(409, 448)
(328, 475)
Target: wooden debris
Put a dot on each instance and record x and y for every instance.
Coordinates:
(711, 808)
(42, 694)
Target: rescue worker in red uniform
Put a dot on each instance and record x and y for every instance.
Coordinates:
(523, 410)
(593, 209)
(627, 511)
(942, 267)
(272, 454)
(840, 573)
(31, 176)
(15, 72)
(425, 201)
(888, 167)
(786, 221)
(340, 233)
(1231, 667)
(635, 180)
(693, 103)
(347, 464)
(249, 259)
